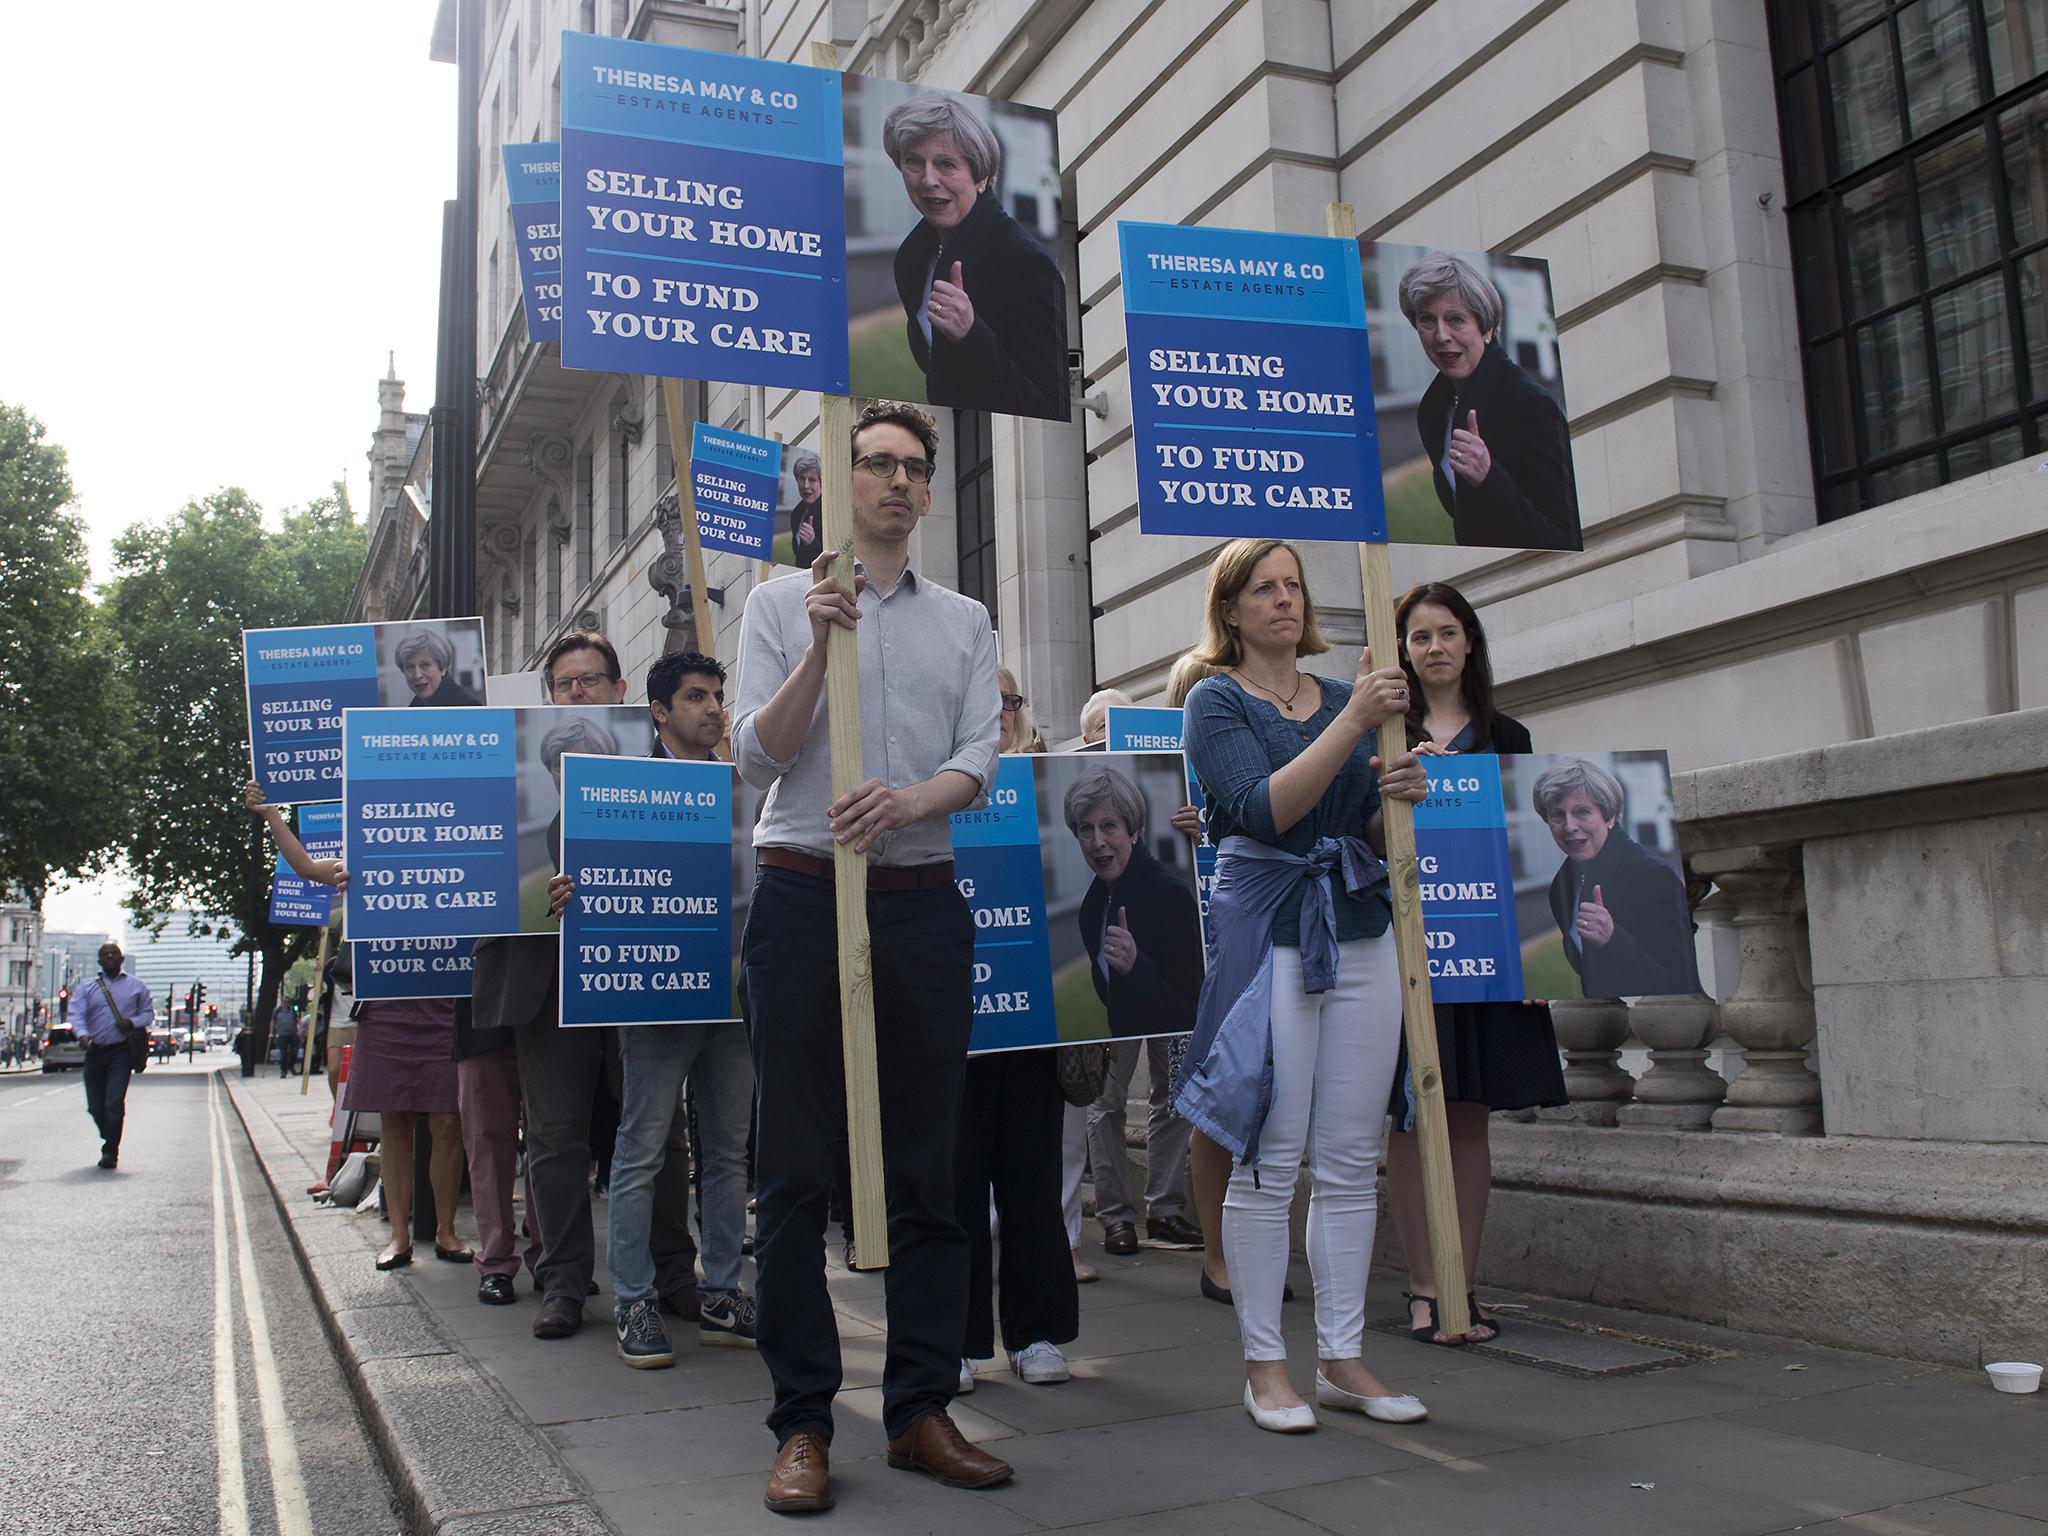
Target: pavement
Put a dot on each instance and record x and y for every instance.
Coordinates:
(1692, 1429)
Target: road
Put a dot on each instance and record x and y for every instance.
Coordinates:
(161, 1364)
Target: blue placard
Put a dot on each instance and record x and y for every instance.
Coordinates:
(1251, 384)
(388, 970)
(736, 479)
(1468, 888)
(703, 216)
(647, 937)
(996, 860)
(299, 682)
(296, 902)
(430, 818)
(1136, 728)
(533, 179)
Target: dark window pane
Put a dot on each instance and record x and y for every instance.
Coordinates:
(1982, 453)
(1937, 46)
(2025, 134)
(1892, 357)
(1904, 479)
(1834, 407)
(1866, 101)
(1792, 32)
(1973, 352)
(2033, 274)
(1840, 501)
(1838, 18)
(1877, 224)
(1958, 215)
(1803, 150)
(1813, 247)
(2018, 34)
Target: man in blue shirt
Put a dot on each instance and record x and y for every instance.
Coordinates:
(105, 1011)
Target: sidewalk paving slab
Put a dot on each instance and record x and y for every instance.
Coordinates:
(490, 1432)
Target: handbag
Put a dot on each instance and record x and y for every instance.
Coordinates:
(137, 1039)
(1082, 1070)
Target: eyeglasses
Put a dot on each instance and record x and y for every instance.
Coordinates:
(883, 466)
(1013, 702)
(588, 682)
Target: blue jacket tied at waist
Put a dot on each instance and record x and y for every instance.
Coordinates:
(1226, 1084)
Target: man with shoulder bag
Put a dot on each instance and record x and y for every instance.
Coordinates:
(112, 1014)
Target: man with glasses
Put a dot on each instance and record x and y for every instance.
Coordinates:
(515, 996)
(929, 727)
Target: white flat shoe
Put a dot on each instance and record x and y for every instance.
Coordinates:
(1298, 1420)
(1403, 1409)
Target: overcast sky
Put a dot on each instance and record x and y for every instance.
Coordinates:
(220, 217)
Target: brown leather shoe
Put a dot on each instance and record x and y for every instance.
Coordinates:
(802, 1480)
(1120, 1238)
(559, 1316)
(933, 1444)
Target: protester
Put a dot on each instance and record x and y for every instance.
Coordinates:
(1095, 716)
(1296, 1035)
(427, 658)
(1493, 1055)
(516, 985)
(1503, 455)
(106, 1012)
(1627, 929)
(1006, 1157)
(986, 307)
(686, 696)
(930, 716)
(285, 1027)
(807, 517)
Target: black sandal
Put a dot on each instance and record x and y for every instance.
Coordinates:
(1428, 1335)
(1479, 1320)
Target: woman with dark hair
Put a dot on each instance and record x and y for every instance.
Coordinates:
(1299, 1021)
(1503, 455)
(985, 306)
(1494, 1055)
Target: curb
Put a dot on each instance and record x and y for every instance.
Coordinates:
(462, 1458)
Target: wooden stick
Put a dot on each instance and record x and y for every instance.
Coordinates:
(306, 1025)
(1418, 1015)
(686, 510)
(850, 869)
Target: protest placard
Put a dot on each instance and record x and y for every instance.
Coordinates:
(391, 970)
(298, 681)
(647, 936)
(452, 820)
(533, 181)
(1251, 384)
(296, 902)
(1552, 875)
(1137, 728)
(736, 479)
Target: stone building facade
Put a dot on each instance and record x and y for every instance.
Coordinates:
(1799, 254)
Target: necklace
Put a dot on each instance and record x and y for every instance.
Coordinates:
(1300, 682)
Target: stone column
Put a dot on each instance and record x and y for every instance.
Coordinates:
(1680, 1090)
(1770, 1013)
(1591, 1030)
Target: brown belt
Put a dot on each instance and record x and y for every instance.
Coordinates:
(881, 877)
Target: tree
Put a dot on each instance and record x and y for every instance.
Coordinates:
(65, 722)
(184, 590)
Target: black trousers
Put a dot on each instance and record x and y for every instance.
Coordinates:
(922, 952)
(107, 1070)
(1011, 1118)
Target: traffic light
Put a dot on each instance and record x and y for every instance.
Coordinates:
(212, 1012)
(63, 1003)
(188, 999)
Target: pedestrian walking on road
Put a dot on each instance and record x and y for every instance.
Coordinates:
(107, 1011)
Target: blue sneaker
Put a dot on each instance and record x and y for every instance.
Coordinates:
(642, 1342)
(727, 1322)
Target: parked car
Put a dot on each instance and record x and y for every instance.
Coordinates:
(62, 1048)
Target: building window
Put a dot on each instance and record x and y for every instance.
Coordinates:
(529, 570)
(512, 85)
(586, 555)
(615, 488)
(1916, 169)
(587, 17)
(974, 499)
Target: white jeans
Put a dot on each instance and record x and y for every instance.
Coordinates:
(1333, 1064)
(1073, 1164)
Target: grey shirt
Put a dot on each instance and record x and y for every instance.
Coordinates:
(928, 702)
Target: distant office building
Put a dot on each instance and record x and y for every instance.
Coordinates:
(173, 963)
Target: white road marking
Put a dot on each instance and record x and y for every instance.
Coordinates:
(30, 1098)
(227, 1421)
(288, 1490)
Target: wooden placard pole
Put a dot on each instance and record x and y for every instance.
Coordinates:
(850, 869)
(686, 511)
(1418, 1016)
(307, 1025)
